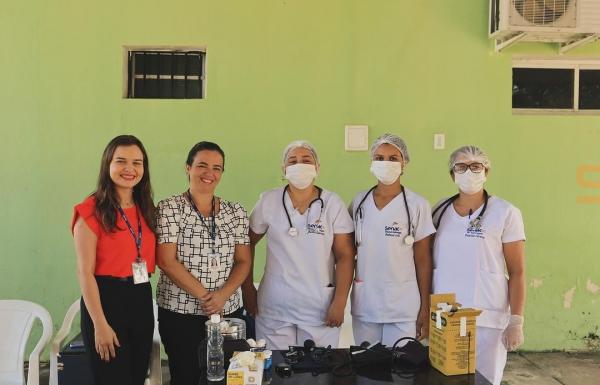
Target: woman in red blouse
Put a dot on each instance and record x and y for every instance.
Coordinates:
(115, 243)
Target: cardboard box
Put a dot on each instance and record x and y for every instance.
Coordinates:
(452, 336)
(244, 375)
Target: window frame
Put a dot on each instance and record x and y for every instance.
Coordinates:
(576, 64)
(164, 48)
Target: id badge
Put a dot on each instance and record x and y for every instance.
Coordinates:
(214, 266)
(140, 272)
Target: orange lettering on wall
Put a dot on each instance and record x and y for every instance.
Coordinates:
(582, 171)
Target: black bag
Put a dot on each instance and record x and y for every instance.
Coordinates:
(373, 362)
(377, 355)
(413, 355)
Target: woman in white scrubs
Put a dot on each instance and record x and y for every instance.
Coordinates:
(480, 238)
(390, 295)
(310, 257)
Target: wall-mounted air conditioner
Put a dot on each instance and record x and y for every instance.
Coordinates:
(568, 22)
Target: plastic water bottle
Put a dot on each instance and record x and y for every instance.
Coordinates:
(215, 359)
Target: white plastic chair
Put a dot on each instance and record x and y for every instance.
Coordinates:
(155, 367)
(154, 370)
(16, 320)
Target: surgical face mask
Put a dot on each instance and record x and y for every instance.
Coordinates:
(385, 171)
(470, 182)
(300, 175)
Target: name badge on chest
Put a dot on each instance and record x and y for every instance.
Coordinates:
(214, 266)
(315, 228)
(140, 272)
(475, 230)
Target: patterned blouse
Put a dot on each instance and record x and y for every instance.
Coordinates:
(210, 261)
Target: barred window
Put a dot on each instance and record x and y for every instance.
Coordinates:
(165, 74)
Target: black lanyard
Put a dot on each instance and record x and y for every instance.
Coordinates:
(444, 206)
(317, 199)
(212, 230)
(359, 211)
(138, 239)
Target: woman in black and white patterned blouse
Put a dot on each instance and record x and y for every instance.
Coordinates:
(204, 256)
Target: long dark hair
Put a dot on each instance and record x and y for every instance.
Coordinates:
(107, 202)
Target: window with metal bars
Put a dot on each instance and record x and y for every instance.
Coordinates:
(161, 74)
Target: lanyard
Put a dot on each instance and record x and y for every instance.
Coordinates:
(138, 239)
(444, 206)
(212, 230)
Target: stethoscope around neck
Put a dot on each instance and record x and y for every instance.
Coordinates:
(444, 206)
(409, 239)
(293, 231)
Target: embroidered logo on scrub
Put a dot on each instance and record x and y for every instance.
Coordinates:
(393, 230)
(474, 230)
(315, 228)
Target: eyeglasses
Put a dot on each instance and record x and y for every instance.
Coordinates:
(461, 168)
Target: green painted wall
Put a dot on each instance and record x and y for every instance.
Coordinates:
(277, 71)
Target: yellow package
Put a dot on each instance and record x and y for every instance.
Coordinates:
(246, 375)
(452, 336)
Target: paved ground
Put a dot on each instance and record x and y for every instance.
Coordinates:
(557, 368)
(552, 369)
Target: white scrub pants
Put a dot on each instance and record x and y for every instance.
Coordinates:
(386, 333)
(279, 335)
(491, 354)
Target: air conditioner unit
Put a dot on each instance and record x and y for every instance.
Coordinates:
(568, 22)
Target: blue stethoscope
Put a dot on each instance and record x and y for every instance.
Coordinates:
(475, 222)
(359, 215)
(293, 232)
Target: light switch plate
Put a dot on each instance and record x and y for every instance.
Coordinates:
(357, 138)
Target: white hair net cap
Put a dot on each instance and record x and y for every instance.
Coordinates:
(395, 141)
(300, 144)
(469, 154)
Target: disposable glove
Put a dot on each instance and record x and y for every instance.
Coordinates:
(512, 337)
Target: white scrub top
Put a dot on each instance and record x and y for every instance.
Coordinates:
(385, 288)
(470, 261)
(299, 279)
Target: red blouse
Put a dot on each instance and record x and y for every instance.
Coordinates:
(115, 252)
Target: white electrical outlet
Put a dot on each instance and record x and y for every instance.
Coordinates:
(439, 141)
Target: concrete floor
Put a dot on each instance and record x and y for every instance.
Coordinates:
(556, 368)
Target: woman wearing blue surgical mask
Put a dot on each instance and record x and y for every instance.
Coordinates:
(479, 254)
(390, 295)
(310, 257)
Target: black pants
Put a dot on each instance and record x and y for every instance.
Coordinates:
(128, 310)
(181, 335)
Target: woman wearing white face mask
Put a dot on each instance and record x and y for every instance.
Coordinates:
(390, 295)
(310, 257)
(479, 239)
